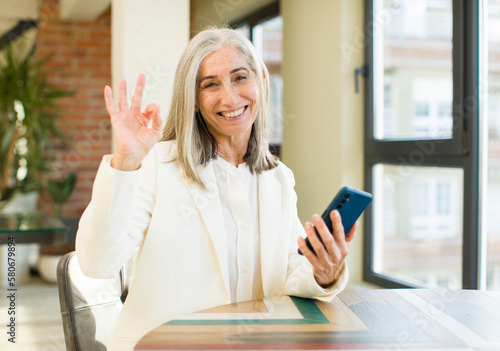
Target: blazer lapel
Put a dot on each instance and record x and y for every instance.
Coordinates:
(269, 215)
(209, 207)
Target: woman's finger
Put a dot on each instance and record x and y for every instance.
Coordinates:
(157, 121)
(137, 97)
(110, 102)
(314, 240)
(149, 110)
(351, 234)
(311, 257)
(122, 95)
(337, 227)
(147, 116)
(324, 233)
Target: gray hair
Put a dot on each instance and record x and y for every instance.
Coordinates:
(196, 146)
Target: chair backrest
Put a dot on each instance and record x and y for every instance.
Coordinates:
(89, 307)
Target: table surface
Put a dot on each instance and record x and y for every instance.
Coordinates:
(32, 227)
(396, 319)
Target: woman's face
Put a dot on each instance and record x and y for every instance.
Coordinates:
(228, 95)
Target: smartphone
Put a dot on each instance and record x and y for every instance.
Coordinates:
(350, 203)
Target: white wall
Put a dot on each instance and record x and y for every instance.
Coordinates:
(149, 37)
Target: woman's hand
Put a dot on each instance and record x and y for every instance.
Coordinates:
(328, 263)
(134, 133)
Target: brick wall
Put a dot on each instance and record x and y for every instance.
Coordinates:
(82, 63)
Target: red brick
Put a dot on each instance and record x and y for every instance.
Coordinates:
(86, 44)
(81, 62)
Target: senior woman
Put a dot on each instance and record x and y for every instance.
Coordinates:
(208, 212)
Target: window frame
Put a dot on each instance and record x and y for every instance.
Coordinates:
(259, 16)
(461, 151)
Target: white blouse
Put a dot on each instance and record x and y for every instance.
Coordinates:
(238, 191)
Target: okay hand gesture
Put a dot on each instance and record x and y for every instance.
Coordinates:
(135, 132)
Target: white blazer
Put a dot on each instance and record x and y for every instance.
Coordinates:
(177, 231)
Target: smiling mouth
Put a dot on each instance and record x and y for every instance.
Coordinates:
(233, 114)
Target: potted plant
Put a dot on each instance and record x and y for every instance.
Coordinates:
(30, 124)
(30, 127)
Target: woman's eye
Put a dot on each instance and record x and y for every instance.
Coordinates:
(208, 85)
(241, 78)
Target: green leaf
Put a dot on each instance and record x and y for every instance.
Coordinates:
(60, 190)
(6, 139)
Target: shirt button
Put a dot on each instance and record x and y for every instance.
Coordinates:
(244, 270)
(244, 227)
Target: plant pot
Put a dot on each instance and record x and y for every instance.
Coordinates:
(21, 202)
(47, 267)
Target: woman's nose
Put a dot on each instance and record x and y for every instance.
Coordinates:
(228, 94)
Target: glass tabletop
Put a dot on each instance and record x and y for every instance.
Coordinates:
(30, 222)
(32, 227)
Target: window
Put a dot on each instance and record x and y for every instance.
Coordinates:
(433, 146)
(425, 161)
(412, 237)
(265, 29)
(443, 199)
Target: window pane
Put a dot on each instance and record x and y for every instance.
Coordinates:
(491, 120)
(413, 86)
(267, 38)
(418, 224)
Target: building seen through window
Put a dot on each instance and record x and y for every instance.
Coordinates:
(418, 209)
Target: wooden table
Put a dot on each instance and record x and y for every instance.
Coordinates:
(400, 319)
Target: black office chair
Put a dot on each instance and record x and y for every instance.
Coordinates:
(89, 307)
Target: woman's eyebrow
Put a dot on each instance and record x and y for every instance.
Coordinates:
(207, 77)
(232, 71)
(239, 69)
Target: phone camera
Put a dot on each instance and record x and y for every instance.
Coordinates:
(339, 206)
(346, 195)
(342, 201)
